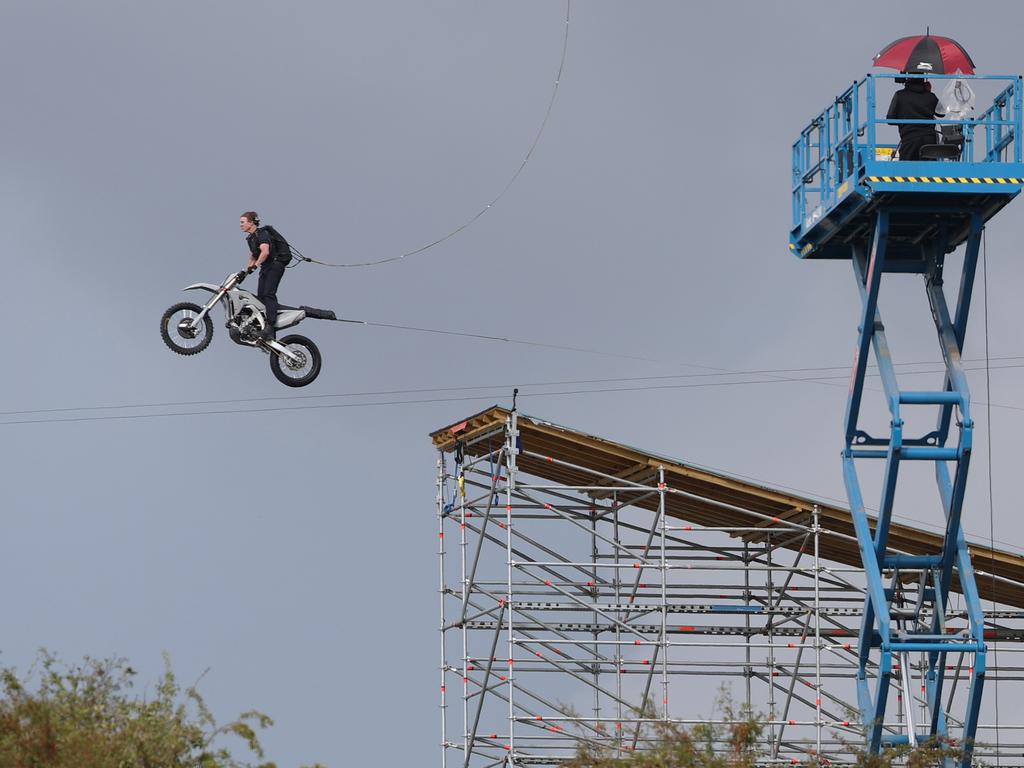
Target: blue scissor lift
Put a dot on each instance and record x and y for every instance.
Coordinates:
(852, 200)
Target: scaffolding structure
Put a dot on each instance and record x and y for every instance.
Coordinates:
(592, 594)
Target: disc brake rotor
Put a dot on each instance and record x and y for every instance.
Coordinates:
(299, 363)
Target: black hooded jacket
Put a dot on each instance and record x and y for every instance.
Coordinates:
(914, 102)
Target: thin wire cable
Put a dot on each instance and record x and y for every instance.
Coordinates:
(623, 355)
(606, 353)
(511, 181)
(505, 339)
(121, 417)
(991, 503)
(504, 388)
(592, 391)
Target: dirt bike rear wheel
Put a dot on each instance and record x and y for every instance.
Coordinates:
(301, 373)
(177, 334)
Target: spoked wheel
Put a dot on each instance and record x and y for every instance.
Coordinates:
(178, 333)
(299, 372)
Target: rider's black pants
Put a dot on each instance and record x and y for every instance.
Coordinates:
(270, 277)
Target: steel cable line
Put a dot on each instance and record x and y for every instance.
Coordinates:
(122, 417)
(505, 387)
(368, 404)
(717, 371)
(504, 339)
(612, 353)
(494, 201)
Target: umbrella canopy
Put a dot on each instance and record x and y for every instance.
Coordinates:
(925, 54)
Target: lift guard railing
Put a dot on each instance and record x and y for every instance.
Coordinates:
(838, 143)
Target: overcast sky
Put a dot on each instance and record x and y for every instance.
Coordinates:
(292, 552)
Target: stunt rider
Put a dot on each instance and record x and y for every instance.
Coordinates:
(271, 254)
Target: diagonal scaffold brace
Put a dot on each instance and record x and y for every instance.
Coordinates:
(908, 596)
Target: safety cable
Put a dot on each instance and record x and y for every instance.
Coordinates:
(505, 339)
(121, 417)
(503, 388)
(991, 503)
(595, 391)
(715, 370)
(612, 353)
(493, 202)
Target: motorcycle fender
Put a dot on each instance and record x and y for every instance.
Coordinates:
(203, 287)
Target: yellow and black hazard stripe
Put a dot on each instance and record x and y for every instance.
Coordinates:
(945, 180)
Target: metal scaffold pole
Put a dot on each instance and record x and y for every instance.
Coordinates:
(441, 592)
(816, 532)
(663, 566)
(511, 452)
(469, 732)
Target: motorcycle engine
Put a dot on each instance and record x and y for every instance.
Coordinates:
(248, 324)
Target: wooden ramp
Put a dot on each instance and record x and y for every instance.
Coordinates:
(702, 497)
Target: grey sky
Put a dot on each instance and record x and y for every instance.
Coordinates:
(652, 220)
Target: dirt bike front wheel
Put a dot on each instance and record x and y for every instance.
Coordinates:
(179, 332)
(301, 371)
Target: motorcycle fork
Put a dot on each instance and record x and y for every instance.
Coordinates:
(207, 307)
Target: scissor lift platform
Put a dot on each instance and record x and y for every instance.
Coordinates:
(842, 174)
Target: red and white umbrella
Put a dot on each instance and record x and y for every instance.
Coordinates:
(925, 54)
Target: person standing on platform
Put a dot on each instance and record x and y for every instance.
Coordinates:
(915, 101)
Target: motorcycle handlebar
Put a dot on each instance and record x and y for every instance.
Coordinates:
(236, 278)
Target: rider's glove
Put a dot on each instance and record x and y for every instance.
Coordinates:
(250, 270)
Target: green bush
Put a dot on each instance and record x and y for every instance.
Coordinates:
(733, 742)
(87, 716)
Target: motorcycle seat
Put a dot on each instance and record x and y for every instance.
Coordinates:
(287, 317)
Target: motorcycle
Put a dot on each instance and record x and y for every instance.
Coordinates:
(295, 360)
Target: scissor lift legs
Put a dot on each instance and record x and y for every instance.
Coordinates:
(907, 596)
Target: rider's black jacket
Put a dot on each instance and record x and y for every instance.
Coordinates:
(258, 238)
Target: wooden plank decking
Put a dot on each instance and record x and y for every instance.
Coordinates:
(703, 497)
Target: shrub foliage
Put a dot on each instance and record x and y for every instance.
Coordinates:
(734, 741)
(88, 716)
